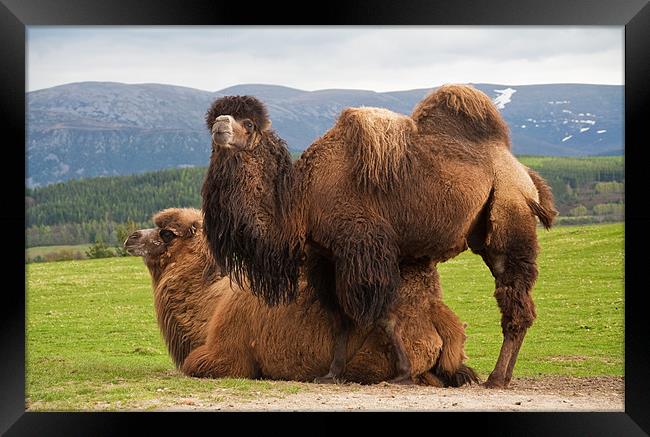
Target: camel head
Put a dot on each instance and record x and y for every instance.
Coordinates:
(237, 121)
(176, 228)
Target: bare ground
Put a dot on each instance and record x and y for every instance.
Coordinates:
(557, 393)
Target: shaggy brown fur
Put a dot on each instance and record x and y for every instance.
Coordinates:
(239, 107)
(463, 188)
(246, 338)
(461, 111)
(378, 140)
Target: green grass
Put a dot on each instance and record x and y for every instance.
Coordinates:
(579, 300)
(93, 342)
(33, 252)
(582, 162)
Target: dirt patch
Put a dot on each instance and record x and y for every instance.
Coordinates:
(559, 393)
(569, 358)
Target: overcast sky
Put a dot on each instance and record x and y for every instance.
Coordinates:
(309, 58)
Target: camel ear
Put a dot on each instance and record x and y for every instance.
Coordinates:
(267, 125)
(184, 222)
(196, 225)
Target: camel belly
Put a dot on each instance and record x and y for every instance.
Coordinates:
(438, 247)
(438, 222)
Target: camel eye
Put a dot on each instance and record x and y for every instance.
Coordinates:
(249, 125)
(167, 235)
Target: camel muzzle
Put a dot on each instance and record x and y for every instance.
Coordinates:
(135, 244)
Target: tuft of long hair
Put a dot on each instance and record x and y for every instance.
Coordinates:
(461, 110)
(367, 274)
(377, 140)
(179, 341)
(246, 202)
(545, 208)
(239, 107)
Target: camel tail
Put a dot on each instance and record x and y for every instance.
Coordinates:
(376, 140)
(462, 110)
(545, 208)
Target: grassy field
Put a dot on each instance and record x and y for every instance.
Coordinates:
(93, 342)
(33, 252)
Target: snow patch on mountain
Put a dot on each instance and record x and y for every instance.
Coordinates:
(504, 97)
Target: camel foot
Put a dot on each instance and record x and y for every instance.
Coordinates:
(495, 382)
(402, 380)
(328, 379)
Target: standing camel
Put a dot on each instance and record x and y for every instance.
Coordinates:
(377, 189)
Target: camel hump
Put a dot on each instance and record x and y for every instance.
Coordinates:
(462, 109)
(376, 139)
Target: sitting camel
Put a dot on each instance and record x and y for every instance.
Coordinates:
(232, 333)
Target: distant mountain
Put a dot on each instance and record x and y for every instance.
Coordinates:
(105, 128)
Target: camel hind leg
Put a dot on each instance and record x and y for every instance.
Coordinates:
(510, 251)
(393, 330)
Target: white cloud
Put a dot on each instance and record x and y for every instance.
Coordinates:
(377, 58)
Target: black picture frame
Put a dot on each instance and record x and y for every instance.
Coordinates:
(15, 15)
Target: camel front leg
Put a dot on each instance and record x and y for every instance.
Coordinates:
(321, 276)
(394, 332)
(341, 329)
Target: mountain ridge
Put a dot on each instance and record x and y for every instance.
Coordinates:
(98, 128)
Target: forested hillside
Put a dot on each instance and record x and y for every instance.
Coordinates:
(82, 211)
